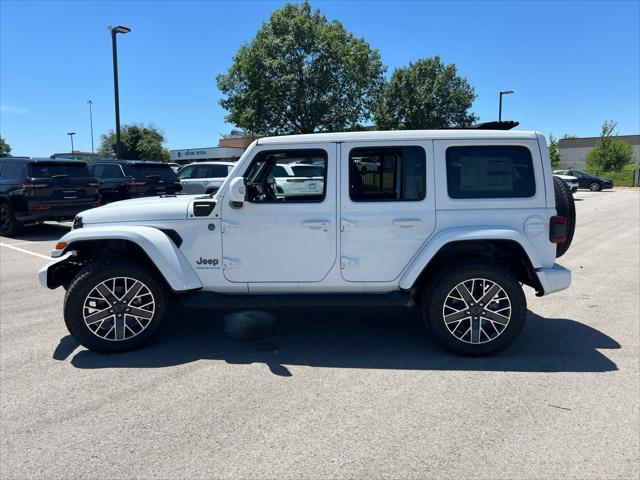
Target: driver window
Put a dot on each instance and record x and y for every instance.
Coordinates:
(287, 176)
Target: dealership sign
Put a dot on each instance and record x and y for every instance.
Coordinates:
(191, 154)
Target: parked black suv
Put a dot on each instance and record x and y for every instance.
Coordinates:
(586, 180)
(123, 179)
(34, 190)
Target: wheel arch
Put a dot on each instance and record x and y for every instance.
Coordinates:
(147, 245)
(505, 250)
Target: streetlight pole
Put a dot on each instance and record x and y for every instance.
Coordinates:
(71, 134)
(506, 92)
(114, 32)
(89, 102)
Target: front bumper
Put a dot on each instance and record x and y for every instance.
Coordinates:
(553, 279)
(44, 275)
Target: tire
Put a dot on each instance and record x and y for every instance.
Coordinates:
(8, 223)
(566, 207)
(488, 336)
(108, 333)
(595, 187)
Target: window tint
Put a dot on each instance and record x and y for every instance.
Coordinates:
(112, 171)
(185, 173)
(485, 171)
(214, 171)
(387, 174)
(160, 171)
(51, 170)
(13, 170)
(268, 180)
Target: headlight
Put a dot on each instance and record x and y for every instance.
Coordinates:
(77, 222)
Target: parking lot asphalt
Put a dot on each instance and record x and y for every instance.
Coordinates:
(355, 394)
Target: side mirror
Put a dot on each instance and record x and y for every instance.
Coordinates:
(237, 192)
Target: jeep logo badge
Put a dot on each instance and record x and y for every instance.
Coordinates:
(207, 262)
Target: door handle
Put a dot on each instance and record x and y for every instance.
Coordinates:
(317, 224)
(407, 222)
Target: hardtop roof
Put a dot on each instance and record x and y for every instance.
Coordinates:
(394, 135)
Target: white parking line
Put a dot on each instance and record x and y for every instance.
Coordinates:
(25, 251)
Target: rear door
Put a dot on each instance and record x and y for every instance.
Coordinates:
(58, 183)
(387, 207)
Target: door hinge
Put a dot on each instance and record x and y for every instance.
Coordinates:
(228, 263)
(227, 225)
(349, 262)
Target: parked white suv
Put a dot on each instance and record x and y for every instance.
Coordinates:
(204, 177)
(452, 222)
(295, 179)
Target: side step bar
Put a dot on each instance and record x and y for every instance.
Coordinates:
(212, 300)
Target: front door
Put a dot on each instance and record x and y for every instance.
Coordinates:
(387, 207)
(281, 234)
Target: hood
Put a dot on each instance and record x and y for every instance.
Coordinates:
(605, 179)
(140, 210)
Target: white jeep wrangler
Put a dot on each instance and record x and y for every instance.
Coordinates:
(450, 221)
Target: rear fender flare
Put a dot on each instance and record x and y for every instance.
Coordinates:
(439, 240)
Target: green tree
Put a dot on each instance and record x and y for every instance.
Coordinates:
(609, 154)
(5, 148)
(301, 74)
(426, 94)
(138, 142)
(554, 152)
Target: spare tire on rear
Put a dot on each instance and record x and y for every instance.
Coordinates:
(566, 207)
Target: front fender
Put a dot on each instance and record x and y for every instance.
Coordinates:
(160, 249)
(439, 240)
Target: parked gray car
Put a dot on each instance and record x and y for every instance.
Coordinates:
(204, 177)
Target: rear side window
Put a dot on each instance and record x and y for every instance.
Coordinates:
(488, 171)
(113, 171)
(215, 171)
(160, 171)
(387, 174)
(13, 170)
(53, 170)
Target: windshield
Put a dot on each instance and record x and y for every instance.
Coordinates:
(160, 171)
(53, 170)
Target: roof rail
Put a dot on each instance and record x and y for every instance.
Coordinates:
(495, 125)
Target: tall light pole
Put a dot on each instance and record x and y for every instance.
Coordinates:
(71, 134)
(114, 32)
(89, 102)
(506, 92)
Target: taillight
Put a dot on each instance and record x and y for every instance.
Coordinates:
(32, 185)
(138, 182)
(558, 229)
(41, 207)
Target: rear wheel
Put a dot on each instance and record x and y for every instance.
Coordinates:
(8, 223)
(566, 207)
(475, 308)
(114, 306)
(595, 187)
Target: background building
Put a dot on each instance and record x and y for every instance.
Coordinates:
(573, 150)
(229, 149)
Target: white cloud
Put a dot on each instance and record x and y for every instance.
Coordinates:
(12, 109)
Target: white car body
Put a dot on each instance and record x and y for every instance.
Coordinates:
(335, 245)
(204, 177)
(572, 182)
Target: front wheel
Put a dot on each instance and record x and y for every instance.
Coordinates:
(595, 187)
(114, 306)
(475, 308)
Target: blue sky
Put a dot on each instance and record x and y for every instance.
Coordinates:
(572, 64)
